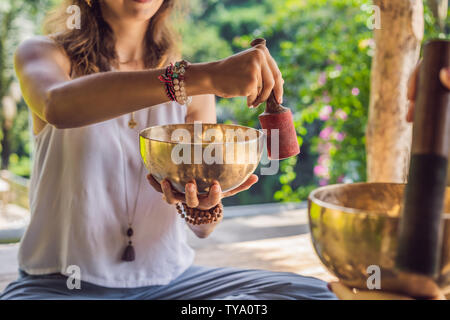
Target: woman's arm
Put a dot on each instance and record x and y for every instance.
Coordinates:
(44, 73)
(202, 108)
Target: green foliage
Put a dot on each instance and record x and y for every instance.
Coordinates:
(324, 51)
(431, 26)
(323, 48)
(323, 59)
(19, 161)
(19, 19)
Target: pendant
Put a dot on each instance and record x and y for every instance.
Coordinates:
(129, 253)
(132, 123)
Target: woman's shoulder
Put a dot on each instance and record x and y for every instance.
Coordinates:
(38, 43)
(39, 47)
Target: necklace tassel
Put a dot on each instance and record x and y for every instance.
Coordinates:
(129, 254)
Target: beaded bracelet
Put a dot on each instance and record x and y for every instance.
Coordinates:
(173, 78)
(197, 216)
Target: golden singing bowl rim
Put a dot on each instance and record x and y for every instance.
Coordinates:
(228, 173)
(259, 131)
(313, 198)
(348, 236)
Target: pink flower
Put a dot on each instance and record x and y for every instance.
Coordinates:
(323, 182)
(338, 67)
(340, 179)
(341, 114)
(324, 147)
(325, 113)
(326, 133)
(321, 171)
(324, 160)
(339, 136)
(355, 91)
(322, 78)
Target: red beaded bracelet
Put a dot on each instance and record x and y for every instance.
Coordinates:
(173, 78)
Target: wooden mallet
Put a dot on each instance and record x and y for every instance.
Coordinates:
(421, 224)
(282, 140)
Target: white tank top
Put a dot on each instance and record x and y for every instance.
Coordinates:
(79, 182)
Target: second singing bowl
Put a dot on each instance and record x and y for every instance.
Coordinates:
(354, 226)
(203, 153)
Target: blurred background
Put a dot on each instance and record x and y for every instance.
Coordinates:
(323, 47)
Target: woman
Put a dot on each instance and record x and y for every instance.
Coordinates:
(90, 91)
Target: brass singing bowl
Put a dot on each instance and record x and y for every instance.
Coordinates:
(354, 226)
(203, 153)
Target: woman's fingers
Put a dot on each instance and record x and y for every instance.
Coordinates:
(207, 201)
(277, 76)
(215, 194)
(191, 195)
(254, 88)
(410, 113)
(270, 74)
(411, 92)
(412, 83)
(268, 83)
(191, 198)
(169, 195)
(155, 184)
(444, 75)
(245, 186)
(212, 198)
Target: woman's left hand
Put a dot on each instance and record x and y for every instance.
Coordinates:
(191, 198)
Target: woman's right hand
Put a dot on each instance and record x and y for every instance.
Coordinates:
(252, 73)
(444, 76)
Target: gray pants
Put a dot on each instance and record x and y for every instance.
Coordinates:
(196, 283)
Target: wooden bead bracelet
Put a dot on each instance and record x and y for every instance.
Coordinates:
(173, 79)
(197, 216)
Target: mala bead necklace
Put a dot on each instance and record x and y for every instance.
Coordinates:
(129, 252)
(197, 216)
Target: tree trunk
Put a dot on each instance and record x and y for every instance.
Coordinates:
(397, 50)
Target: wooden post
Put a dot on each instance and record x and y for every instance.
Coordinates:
(396, 55)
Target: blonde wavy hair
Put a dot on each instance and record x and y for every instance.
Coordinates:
(91, 48)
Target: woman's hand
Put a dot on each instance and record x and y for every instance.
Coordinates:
(252, 73)
(444, 75)
(191, 198)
